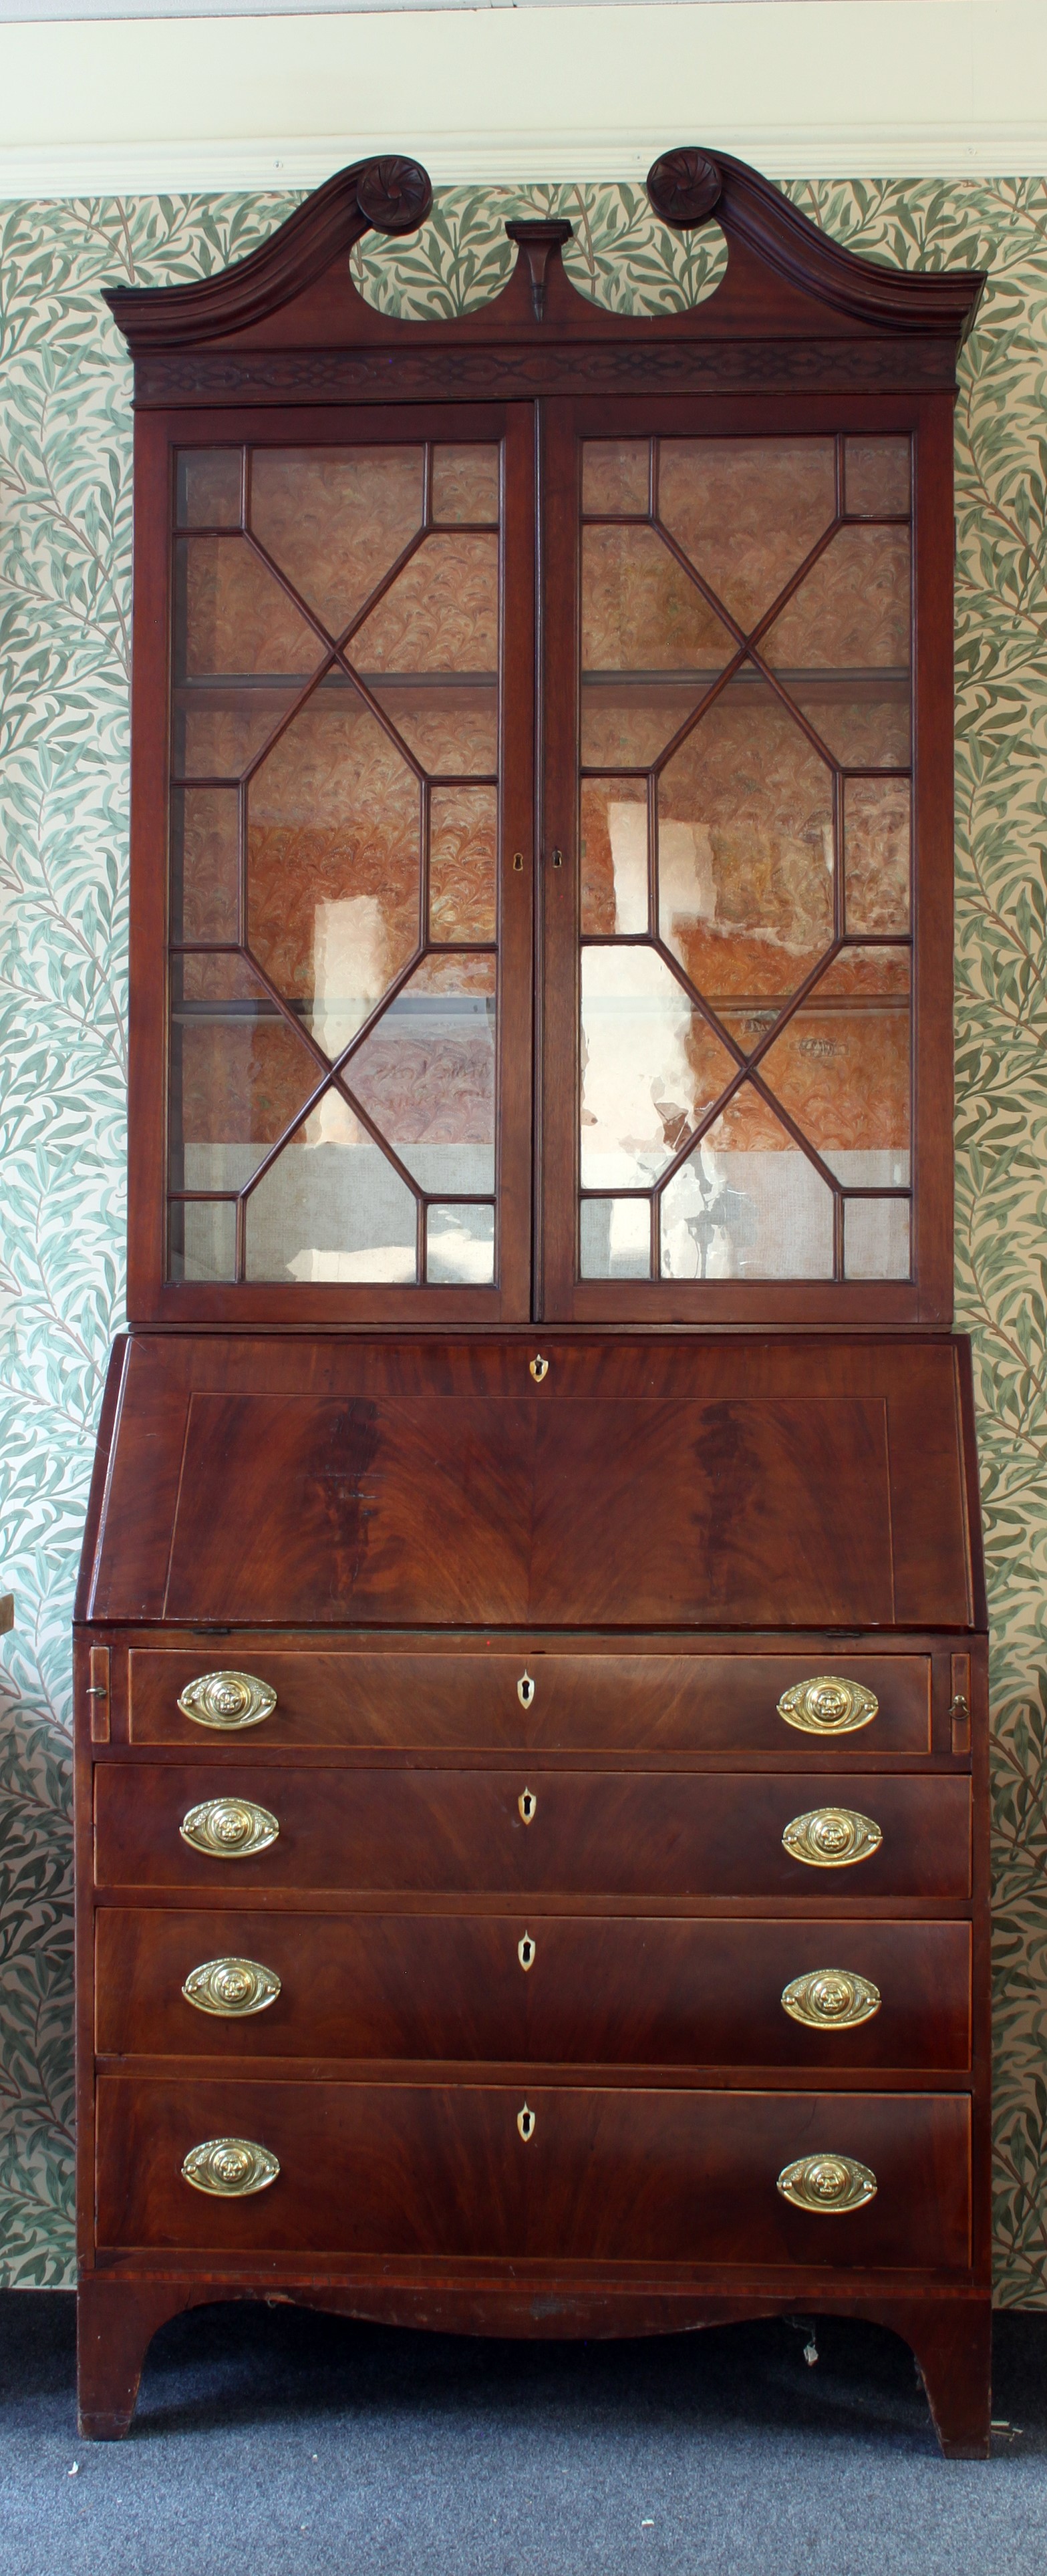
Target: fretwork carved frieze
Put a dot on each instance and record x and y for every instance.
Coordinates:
(401, 374)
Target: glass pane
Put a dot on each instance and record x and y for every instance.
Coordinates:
(207, 487)
(627, 723)
(336, 518)
(425, 1076)
(615, 1238)
(640, 612)
(463, 853)
(616, 474)
(217, 732)
(452, 731)
(332, 1208)
(868, 972)
(877, 481)
(465, 483)
(203, 1239)
(204, 863)
(876, 853)
(334, 863)
(651, 1067)
(842, 1072)
(440, 614)
(876, 1239)
(852, 611)
(614, 856)
(864, 723)
(747, 511)
(239, 1073)
(460, 1246)
(747, 1204)
(745, 849)
(232, 617)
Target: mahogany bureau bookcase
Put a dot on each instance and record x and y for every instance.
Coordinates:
(530, 1647)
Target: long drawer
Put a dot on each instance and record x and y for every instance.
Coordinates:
(537, 1989)
(582, 1833)
(583, 2174)
(538, 1701)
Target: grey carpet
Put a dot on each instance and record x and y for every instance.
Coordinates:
(277, 2443)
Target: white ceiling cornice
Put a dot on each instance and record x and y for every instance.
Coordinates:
(820, 88)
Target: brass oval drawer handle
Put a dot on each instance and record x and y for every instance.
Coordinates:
(231, 2168)
(229, 1828)
(831, 1999)
(828, 1706)
(831, 1837)
(827, 2184)
(227, 1700)
(231, 1987)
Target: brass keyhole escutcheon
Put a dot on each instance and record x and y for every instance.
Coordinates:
(528, 1806)
(525, 2122)
(557, 858)
(525, 1690)
(517, 863)
(539, 1368)
(526, 1952)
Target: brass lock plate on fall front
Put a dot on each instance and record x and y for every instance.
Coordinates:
(227, 1700)
(828, 1706)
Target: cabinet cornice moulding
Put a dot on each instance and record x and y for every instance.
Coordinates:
(487, 158)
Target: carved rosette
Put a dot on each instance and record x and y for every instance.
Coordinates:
(683, 187)
(229, 1828)
(831, 1999)
(231, 1987)
(831, 1837)
(394, 195)
(827, 2185)
(231, 2168)
(227, 1700)
(828, 1706)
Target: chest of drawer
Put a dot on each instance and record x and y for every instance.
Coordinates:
(536, 1700)
(538, 1989)
(572, 1832)
(582, 2174)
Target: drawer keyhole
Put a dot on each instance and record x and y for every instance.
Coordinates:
(528, 1805)
(526, 1952)
(525, 1690)
(525, 2123)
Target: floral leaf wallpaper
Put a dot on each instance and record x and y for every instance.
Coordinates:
(64, 593)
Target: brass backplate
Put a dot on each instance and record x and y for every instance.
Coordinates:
(831, 1837)
(828, 1706)
(227, 1700)
(827, 2185)
(231, 2168)
(229, 1828)
(831, 1999)
(231, 1988)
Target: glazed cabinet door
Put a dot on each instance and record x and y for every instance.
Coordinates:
(334, 745)
(746, 916)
